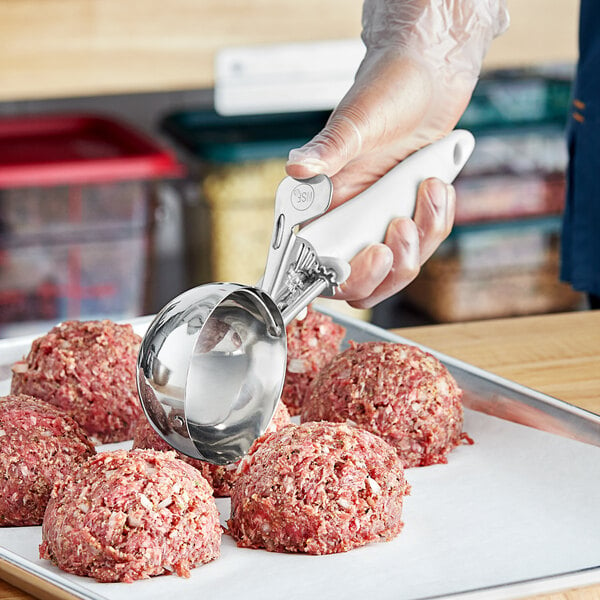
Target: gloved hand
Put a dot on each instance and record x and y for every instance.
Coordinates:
(422, 62)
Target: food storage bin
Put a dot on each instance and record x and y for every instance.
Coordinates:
(238, 162)
(517, 168)
(502, 257)
(519, 98)
(499, 269)
(77, 195)
(508, 196)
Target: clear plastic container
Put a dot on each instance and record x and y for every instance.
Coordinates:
(495, 270)
(77, 194)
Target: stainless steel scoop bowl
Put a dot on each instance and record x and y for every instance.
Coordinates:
(209, 370)
(212, 363)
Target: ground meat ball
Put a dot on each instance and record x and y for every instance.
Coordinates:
(220, 477)
(131, 515)
(311, 343)
(317, 488)
(87, 368)
(397, 391)
(39, 444)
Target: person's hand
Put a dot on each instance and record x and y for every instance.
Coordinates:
(422, 62)
(380, 270)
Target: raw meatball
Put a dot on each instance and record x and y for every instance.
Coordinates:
(131, 515)
(311, 343)
(397, 391)
(317, 488)
(39, 444)
(87, 368)
(220, 477)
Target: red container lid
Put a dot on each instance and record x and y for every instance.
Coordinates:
(66, 149)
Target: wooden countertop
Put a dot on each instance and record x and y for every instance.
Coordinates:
(556, 354)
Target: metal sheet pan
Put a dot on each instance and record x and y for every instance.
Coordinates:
(512, 515)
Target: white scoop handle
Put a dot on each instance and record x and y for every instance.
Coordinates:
(346, 230)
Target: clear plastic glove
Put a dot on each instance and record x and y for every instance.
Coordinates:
(422, 62)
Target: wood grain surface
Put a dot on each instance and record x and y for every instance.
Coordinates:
(66, 48)
(62, 48)
(556, 354)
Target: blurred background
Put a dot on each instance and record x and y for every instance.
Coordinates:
(141, 144)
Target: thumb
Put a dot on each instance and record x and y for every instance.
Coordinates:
(336, 145)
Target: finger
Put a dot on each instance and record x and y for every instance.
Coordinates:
(413, 242)
(369, 268)
(402, 238)
(337, 144)
(434, 215)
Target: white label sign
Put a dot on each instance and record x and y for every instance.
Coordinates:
(285, 77)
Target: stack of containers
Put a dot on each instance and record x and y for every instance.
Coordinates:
(77, 196)
(502, 257)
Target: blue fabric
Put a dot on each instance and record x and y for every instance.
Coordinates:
(580, 264)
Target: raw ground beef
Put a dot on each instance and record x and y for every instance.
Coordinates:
(87, 368)
(317, 488)
(397, 391)
(131, 515)
(39, 444)
(220, 477)
(311, 343)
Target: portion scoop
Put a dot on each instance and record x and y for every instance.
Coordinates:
(212, 363)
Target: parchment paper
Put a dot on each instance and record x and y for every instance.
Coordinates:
(518, 505)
